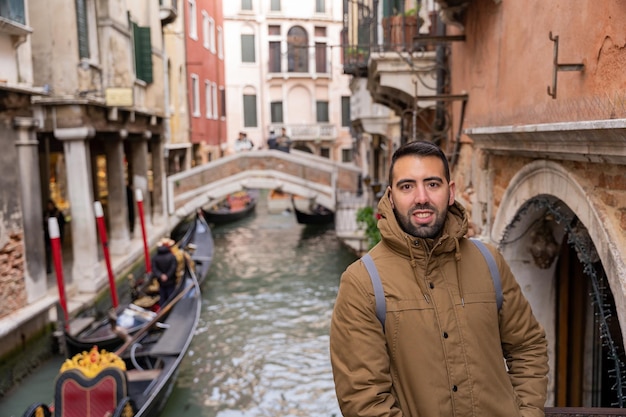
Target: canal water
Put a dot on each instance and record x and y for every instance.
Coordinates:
(261, 347)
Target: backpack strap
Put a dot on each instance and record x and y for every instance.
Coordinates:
(379, 293)
(493, 268)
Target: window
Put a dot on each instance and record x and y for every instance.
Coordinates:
(321, 66)
(193, 24)
(275, 6)
(273, 30)
(297, 48)
(325, 152)
(320, 6)
(345, 111)
(81, 22)
(143, 53)
(195, 98)
(220, 43)
(212, 34)
(222, 102)
(322, 111)
(246, 4)
(14, 10)
(247, 48)
(276, 111)
(206, 31)
(249, 110)
(274, 57)
(207, 98)
(346, 155)
(214, 100)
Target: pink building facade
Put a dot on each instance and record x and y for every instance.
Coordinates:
(205, 78)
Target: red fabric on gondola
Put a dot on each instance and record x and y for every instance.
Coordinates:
(78, 396)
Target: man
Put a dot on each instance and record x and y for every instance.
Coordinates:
(272, 140)
(243, 143)
(164, 266)
(284, 141)
(442, 348)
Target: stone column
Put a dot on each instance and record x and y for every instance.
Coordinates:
(30, 186)
(158, 179)
(86, 267)
(119, 239)
(139, 161)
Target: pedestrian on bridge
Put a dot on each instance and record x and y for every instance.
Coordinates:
(284, 141)
(438, 333)
(272, 140)
(243, 143)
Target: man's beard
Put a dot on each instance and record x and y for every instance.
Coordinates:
(422, 231)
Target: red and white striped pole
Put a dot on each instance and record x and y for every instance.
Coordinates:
(146, 252)
(55, 243)
(105, 250)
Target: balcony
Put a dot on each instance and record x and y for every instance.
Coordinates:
(309, 132)
(168, 11)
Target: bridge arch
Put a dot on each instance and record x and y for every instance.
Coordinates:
(314, 177)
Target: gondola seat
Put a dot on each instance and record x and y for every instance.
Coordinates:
(78, 396)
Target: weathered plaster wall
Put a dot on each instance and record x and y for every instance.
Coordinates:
(12, 289)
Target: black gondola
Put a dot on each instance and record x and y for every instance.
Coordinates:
(137, 379)
(317, 215)
(108, 333)
(235, 207)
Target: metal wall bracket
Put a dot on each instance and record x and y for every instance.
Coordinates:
(560, 67)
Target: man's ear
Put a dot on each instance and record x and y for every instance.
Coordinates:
(390, 197)
(452, 187)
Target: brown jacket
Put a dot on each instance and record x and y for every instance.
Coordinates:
(444, 342)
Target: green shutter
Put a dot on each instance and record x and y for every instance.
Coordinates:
(322, 111)
(143, 53)
(249, 110)
(345, 111)
(247, 48)
(83, 29)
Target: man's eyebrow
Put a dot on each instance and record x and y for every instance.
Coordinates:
(405, 181)
(412, 181)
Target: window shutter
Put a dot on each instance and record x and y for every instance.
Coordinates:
(247, 48)
(83, 31)
(249, 110)
(322, 111)
(143, 53)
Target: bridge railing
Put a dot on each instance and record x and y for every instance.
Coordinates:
(296, 173)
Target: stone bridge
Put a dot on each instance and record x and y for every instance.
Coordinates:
(301, 173)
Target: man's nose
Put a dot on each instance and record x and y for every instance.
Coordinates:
(420, 195)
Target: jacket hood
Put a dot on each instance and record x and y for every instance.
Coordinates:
(163, 249)
(455, 227)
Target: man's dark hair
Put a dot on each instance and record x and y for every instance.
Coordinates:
(419, 149)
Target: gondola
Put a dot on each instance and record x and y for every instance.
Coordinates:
(235, 206)
(127, 319)
(317, 215)
(136, 379)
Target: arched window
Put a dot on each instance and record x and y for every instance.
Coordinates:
(297, 50)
